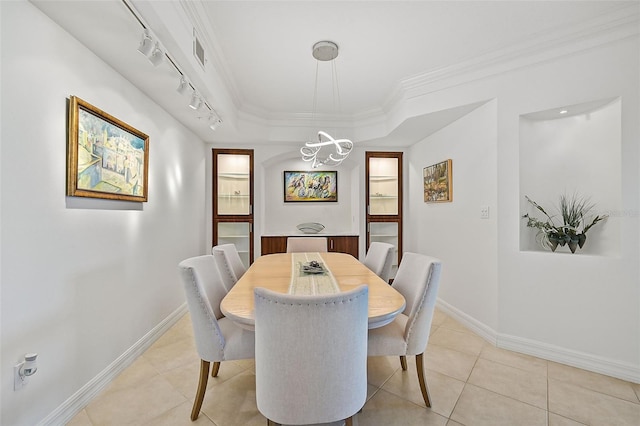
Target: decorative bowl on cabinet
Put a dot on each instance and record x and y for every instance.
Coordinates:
(310, 227)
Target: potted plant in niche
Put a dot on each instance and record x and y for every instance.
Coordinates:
(574, 227)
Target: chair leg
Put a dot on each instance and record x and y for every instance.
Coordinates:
(403, 362)
(422, 380)
(216, 368)
(202, 388)
(348, 421)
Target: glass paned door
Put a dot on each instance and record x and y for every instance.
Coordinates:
(383, 186)
(233, 184)
(233, 200)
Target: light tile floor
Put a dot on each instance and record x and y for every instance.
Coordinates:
(471, 383)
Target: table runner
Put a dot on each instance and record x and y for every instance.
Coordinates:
(308, 284)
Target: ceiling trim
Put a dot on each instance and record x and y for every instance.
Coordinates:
(615, 25)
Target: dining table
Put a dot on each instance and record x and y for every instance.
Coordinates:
(310, 274)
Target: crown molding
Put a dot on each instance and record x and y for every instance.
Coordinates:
(616, 25)
(196, 12)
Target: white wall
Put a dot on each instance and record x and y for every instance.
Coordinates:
(82, 280)
(454, 232)
(579, 309)
(281, 218)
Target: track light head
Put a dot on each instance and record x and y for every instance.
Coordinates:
(214, 121)
(196, 101)
(151, 48)
(183, 86)
(157, 55)
(146, 44)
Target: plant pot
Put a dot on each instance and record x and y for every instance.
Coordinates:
(581, 239)
(573, 244)
(553, 242)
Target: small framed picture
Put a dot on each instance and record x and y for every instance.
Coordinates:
(438, 182)
(106, 158)
(311, 186)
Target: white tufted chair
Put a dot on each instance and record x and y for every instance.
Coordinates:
(229, 264)
(307, 244)
(379, 259)
(311, 355)
(417, 280)
(217, 338)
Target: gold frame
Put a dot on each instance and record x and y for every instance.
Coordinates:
(106, 170)
(439, 188)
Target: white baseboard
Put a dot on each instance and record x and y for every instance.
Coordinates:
(76, 402)
(585, 361)
(482, 330)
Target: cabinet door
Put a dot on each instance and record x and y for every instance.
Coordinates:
(272, 245)
(346, 244)
(239, 234)
(384, 199)
(233, 200)
(386, 232)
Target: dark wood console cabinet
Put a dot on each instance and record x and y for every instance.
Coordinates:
(336, 243)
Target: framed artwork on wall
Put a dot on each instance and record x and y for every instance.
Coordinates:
(438, 182)
(106, 158)
(313, 186)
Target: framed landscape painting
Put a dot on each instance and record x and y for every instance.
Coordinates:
(106, 158)
(438, 182)
(311, 186)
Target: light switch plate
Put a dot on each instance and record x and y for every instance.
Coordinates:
(484, 212)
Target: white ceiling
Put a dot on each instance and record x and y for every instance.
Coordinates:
(260, 73)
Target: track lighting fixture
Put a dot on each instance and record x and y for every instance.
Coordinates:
(196, 101)
(183, 87)
(146, 44)
(214, 121)
(150, 48)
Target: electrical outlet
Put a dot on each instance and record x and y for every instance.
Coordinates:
(484, 212)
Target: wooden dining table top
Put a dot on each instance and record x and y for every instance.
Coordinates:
(274, 272)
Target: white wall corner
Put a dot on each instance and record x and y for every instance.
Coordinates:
(76, 402)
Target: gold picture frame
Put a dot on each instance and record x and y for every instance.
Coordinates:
(106, 158)
(438, 182)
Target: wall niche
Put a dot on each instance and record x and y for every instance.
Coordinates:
(573, 150)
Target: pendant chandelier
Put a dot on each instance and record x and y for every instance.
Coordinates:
(326, 151)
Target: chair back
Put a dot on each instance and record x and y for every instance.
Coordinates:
(379, 259)
(418, 279)
(306, 244)
(229, 264)
(311, 355)
(204, 292)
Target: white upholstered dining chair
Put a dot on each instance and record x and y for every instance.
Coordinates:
(311, 355)
(418, 279)
(306, 244)
(217, 338)
(229, 264)
(379, 259)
